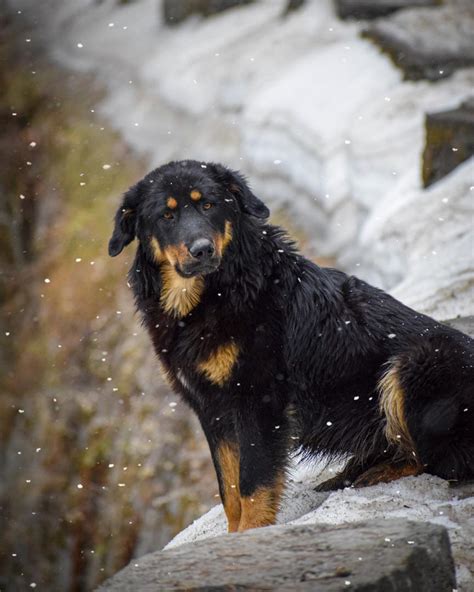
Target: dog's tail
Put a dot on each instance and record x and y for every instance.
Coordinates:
(427, 398)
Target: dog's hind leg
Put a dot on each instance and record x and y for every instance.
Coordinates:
(388, 471)
(427, 398)
(350, 473)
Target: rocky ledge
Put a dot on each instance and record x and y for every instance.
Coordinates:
(449, 141)
(374, 556)
(176, 11)
(370, 9)
(428, 43)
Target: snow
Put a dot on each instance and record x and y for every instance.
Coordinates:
(436, 243)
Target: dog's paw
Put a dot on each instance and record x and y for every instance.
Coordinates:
(333, 484)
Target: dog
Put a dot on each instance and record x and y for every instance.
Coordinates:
(277, 355)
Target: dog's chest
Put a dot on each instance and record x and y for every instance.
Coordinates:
(197, 345)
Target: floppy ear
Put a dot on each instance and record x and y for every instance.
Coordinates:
(125, 221)
(237, 185)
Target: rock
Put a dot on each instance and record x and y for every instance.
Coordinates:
(423, 499)
(449, 141)
(176, 11)
(297, 150)
(428, 43)
(378, 555)
(293, 5)
(464, 324)
(434, 247)
(370, 9)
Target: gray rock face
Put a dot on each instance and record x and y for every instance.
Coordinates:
(176, 11)
(293, 5)
(370, 9)
(429, 43)
(464, 324)
(375, 556)
(449, 141)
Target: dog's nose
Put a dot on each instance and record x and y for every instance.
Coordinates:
(202, 248)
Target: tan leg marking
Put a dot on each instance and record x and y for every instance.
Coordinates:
(218, 367)
(261, 508)
(392, 405)
(179, 295)
(228, 458)
(386, 472)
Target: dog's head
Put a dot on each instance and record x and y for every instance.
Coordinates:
(184, 214)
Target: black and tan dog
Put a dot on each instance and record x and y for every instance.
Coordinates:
(274, 353)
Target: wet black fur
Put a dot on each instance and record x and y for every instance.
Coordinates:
(314, 343)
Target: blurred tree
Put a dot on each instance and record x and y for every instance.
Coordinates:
(96, 465)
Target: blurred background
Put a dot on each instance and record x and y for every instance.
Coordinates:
(353, 119)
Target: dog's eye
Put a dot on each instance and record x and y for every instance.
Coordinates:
(168, 216)
(206, 206)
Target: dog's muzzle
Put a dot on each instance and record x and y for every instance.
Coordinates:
(203, 258)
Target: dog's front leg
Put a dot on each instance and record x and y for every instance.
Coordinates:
(263, 457)
(221, 437)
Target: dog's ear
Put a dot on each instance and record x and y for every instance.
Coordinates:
(125, 221)
(236, 184)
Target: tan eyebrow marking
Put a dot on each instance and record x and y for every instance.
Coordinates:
(195, 195)
(172, 203)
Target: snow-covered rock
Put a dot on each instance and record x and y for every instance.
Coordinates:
(318, 118)
(371, 9)
(429, 43)
(431, 230)
(424, 498)
(381, 555)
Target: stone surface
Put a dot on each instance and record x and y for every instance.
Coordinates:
(176, 11)
(370, 9)
(423, 499)
(449, 141)
(375, 556)
(433, 229)
(464, 324)
(429, 43)
(293, 5)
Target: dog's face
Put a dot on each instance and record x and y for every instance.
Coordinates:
(184, 215)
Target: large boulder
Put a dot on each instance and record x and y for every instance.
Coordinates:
(449, 141)
(374, 556)
(431, 232)
(292, 5)
(370, 9)
(423, 499)
(429, 43)
(176, 11)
